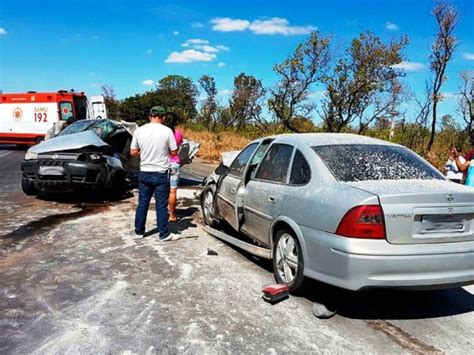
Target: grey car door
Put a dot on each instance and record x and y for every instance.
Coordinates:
(265, 192)
(227, 194)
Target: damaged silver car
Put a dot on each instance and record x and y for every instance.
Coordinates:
(351, 211)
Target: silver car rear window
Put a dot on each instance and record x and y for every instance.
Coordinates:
(352, 162)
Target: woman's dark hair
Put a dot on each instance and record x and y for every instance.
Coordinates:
(171, 120)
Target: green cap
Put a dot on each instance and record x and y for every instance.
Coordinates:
(157, 111)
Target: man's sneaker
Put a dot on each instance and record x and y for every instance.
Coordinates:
(138, 236)
(170, 238)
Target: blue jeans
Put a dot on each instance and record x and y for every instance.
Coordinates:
(153, 183)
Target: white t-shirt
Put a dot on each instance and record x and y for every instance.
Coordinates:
(155, 142)
(452, 171)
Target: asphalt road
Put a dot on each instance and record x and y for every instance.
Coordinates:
(72, 280)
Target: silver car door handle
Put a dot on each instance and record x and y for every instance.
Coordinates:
(232, 191)
(271, 199)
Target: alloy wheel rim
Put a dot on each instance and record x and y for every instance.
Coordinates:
(208, 205)
(287, 258)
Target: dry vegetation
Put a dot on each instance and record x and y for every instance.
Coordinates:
(215, 143)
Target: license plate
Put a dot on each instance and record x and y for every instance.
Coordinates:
(443, 224)
(51, 170)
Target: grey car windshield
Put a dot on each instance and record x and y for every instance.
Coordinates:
(103, 128)
(374, 162)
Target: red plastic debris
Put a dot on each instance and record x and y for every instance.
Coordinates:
(275, 293)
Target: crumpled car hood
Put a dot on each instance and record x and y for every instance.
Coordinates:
(69, 142)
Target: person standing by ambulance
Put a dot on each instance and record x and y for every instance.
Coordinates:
(154, 143)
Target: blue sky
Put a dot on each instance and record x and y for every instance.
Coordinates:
(52, 45)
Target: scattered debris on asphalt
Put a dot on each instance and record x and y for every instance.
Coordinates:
(275, 293)
(211, 252)
(321, 311)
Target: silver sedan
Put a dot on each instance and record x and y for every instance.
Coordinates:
(348, 210)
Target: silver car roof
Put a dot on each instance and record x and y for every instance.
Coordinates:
(319, 139)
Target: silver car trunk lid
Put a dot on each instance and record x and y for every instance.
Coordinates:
(424, 211)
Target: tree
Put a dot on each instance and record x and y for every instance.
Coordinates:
(111, 103)
(305, 67)
(363, 83)
(209, 105)
(441, 53)
(137, 108)
(177, 94)
(466, 99)
(246, 102)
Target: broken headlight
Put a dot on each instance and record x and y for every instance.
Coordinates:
(93, 158)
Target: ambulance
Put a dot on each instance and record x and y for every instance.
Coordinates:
(26, 117)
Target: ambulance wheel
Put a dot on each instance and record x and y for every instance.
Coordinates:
(288, 263)
(28, 187)
(207, 207)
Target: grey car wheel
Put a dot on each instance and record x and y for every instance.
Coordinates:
(28, 187)
(207, 207)
(288, 261)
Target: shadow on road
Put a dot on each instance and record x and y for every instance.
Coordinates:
(378, 303)
(46, 223)
(12, 147)
(391, 304)
(83, 197)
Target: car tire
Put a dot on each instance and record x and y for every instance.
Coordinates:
(208, 207)
(288, 265)
(28, 187)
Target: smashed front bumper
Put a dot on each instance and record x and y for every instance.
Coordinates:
(65, 175)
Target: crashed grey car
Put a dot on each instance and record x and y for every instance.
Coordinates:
(87, 155)
(347, 210)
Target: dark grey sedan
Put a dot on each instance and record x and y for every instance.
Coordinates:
(348, 210)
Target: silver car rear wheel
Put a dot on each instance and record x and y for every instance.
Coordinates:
(288, 261)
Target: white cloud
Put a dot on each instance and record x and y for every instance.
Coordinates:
(222, 48)
(189, 56)
(317, 95)
(148, 82)
(391, 26)
(271, 26)
(226, 24)
(468, 56)
(221, 64)
(176, 33)
(225, 92)
(409, 66)
(203, 45)
(195, 41)
(197, 25)
(206, 48)
(450, 95)
(277, 25)
(2, 31)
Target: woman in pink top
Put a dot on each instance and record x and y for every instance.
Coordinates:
(171, 120)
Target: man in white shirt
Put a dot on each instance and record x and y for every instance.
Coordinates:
(154, 143)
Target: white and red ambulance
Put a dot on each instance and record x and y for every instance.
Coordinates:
(26, 117)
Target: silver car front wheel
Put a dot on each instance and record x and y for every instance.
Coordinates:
(207, 207)
(288, 261)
